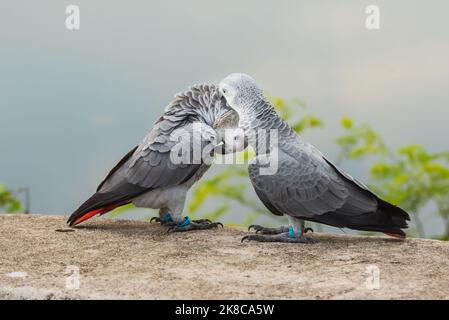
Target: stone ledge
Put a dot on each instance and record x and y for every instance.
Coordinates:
(138, 260)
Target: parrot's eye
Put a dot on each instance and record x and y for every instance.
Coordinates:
(224, 91)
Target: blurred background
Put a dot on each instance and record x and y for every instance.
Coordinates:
(72, 102)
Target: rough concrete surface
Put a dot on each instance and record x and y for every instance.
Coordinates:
(138, 260)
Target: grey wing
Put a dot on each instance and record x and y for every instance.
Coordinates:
(306, 186)
(152, 164)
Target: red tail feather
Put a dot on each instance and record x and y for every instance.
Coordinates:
(394, 235)
(92, 213)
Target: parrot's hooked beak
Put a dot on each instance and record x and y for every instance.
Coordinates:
(231, 140)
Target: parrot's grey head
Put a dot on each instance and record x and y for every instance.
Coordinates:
(240, 91)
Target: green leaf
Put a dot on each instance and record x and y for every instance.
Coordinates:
(346, 140)
(440, 171)
(346, 123)
(306, 122)
(8, 202)
(381, 170)
(118, 211)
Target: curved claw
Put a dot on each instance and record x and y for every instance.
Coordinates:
(308, 229)
(244, 238)
(157, 219)
(255, 227)
(194, 226)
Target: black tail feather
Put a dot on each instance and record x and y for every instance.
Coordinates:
(122, 194)
(388, 219)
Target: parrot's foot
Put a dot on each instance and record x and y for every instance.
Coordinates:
(204, 221)
(282, 234)
(264, 230)
(171, 223)
(188, 225)
(281, 237)
(282, 229)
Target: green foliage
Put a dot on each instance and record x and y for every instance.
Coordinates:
(8, 202)
(230, 184)
(118, 211)
(410, 177)
(359, 141)
(287, 111)
(221, 185)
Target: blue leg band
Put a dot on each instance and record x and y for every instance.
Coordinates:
(291, 233)
(186, 222)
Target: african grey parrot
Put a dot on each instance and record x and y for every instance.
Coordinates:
(148, 176)
(304, 185)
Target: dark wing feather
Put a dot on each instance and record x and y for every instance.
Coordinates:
(117, 166)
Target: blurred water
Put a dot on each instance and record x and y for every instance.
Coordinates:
(73, 102)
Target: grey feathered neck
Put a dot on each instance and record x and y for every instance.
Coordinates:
(258, 119)
(260, 114)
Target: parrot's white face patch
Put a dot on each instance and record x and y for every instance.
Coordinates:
(230, 94)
